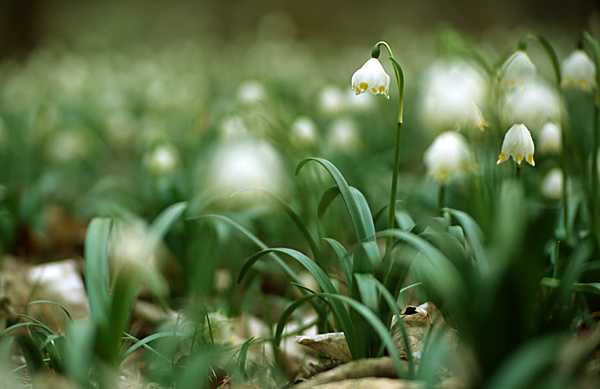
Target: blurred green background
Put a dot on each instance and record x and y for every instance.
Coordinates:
(26, 24)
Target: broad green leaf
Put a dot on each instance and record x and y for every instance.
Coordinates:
(96, 268)
(328, 196)
(473, 233)
(530, 362)
(352, 203)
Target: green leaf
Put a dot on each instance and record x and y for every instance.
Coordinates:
(96, 268)
(52, 303)
(328, 196)
(79, 351)
(473, 233)
(314, 247)
(254, 239)
(322, 279)
(144, 342)
(348, 195)
(344, 258)
(365, 312)
(31, 353)
(524, 367)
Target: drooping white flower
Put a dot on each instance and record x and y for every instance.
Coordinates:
(549, 140)
(517, 71)
(579, 70)
(533, 105)
(552, 184)
(371, 77)
(517, 144)
(447, 155)
(453, 91)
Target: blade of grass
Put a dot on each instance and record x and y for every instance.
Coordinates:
(52, 303)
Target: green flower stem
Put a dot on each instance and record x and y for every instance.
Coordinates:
(563, 124)
(595, 139)
(399, 73)
(442, 196)
(517, 171)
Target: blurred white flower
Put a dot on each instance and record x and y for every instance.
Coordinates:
(232, 128)
(371, 77)
(549, 139)
(518, 145)
(304, 131)
(517, 71)
(69, 145)
(447, 155)
(132, 248)
(552, 184)
(246, 164)
(579, 70)
(343, 135)
(251, 92)
(534, 104)
(453, 91)
(332, 101)
(161, 159)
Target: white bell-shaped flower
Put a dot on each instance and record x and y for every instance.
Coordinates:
(549, 139)
(371, 77)
(452, 93)
(517, 144)
(447, 155)
(517, 71)
(579, 70)
(534, 105)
